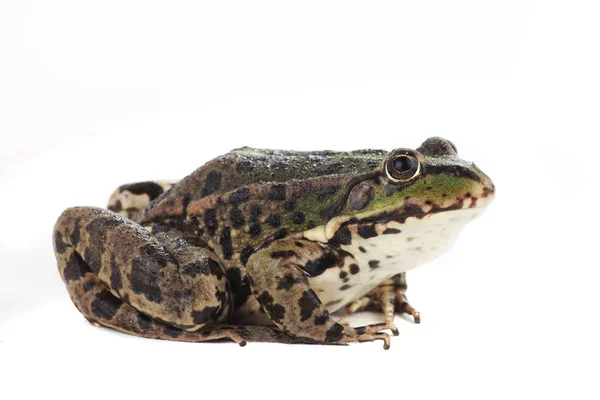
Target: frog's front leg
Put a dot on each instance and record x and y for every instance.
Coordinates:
(389, 298)
(281, 286)
(152, 285)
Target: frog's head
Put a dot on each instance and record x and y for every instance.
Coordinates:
(416, 183)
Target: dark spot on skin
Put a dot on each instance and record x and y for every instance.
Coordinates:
(92, 259)
(106, 305)
(280, 234)
(254, 227)
(391, 231)
(342, 236)
(215, 269)
(360, 330)
(145, 272)
(144, 322)
(354, 269)
(236, 218)
(196, 268)
(205, 315)
(213, 183)
(374, 264)
(172, 332)
(299, 244)
(345, 287)
(343, 274)
(274, 220)
(239, 196)
(222, 297)
(311, 224)
(308, 303)
(210, 221)
(322, 320)
(88, 286)
(284, 254)
(320, 265)
(116, 279)
(361, 195)
(225, 242)
(244, 166)
(468, 195)
(428, 202)
(275, 311)
(59, 244)
(245, 254)
(277, 192)
(335, 333)
(362, 249)
(290, 280)
(75, 268)
(327, 193)
(76, 234)
(289, 205)
(298, 218)
(366, 231)
(152, 189)
(333, 303)
(346, 280)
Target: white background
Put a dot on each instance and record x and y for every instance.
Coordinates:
(96, 94)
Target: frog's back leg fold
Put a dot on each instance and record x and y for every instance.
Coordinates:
(116, 272)
(131, 200)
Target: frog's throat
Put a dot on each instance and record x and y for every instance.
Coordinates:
(324, 233)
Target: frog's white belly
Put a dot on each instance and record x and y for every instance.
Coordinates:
(385, 255)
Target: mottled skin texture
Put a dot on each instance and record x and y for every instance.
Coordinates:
(248, 245)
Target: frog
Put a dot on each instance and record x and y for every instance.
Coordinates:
(268, 245)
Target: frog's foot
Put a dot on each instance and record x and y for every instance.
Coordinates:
(388, 299)
(361, 334)
(132, 199)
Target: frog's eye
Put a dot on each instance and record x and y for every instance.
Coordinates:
(402, 167)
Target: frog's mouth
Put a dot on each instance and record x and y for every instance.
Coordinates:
(467, 208)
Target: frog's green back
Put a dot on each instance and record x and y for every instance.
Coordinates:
(265, 165)
(246, 166)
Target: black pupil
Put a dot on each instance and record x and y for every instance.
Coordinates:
(403, 164)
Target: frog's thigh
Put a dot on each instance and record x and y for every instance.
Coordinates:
(106, 260)
(283, 290)
(131, 199)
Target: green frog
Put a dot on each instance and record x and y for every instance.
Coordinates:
(264, 245)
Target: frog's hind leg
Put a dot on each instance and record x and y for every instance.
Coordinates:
(102, 308)
(120, 276)
(131, 199)
(389, 298)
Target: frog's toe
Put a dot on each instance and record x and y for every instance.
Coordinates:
(359, 305)
(406, 308)
(371, 337)
(375, 328)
